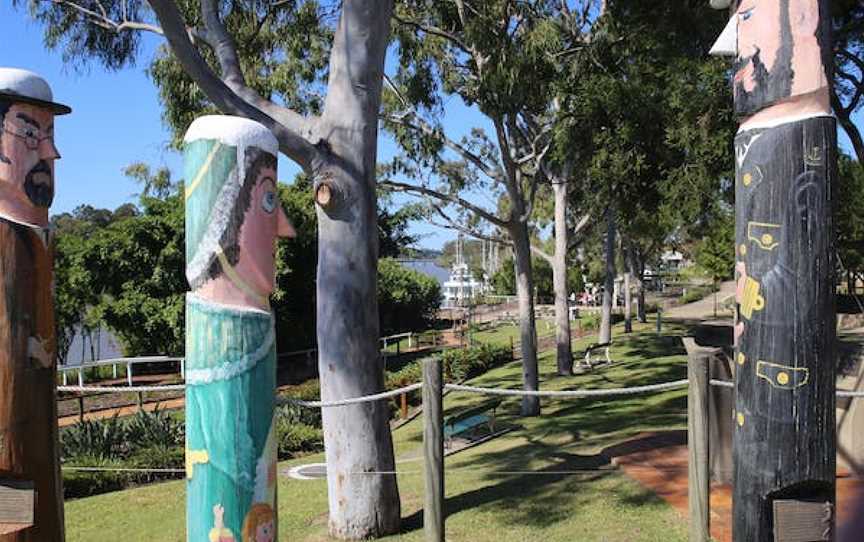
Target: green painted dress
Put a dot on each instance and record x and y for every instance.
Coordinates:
(230, 448)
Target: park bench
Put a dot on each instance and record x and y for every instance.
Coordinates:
(587, 363)
(470, 419)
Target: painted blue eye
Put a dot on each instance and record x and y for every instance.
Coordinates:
(268, 202)
(747, 14)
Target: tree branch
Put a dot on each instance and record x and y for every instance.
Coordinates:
(446, 198)
(420, 125)
(434, 31)
(538, 252)
(103, 21)
(287, 125)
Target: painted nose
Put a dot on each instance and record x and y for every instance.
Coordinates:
(47, 150)
(283, 225)
(727, 43)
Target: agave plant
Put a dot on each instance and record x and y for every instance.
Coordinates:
(105, 439)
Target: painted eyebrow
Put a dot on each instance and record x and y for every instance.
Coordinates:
(29, 120)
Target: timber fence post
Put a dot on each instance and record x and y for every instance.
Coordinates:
(433, 450)
(698, 481)
(659, 320)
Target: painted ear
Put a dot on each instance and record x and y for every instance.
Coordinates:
(283, 225)
(727, 43)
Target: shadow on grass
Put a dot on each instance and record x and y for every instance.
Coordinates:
(548, 463)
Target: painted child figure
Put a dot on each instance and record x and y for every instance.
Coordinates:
(233, 218)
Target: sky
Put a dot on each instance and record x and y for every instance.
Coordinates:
(116, 121)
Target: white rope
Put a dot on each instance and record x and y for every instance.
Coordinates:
(122, 389)
(572, 393)
(722, 383)
(355, 400)
(118, 361)
(118, 469)
(849, 393)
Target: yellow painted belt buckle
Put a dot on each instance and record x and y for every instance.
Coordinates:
(751, 301)
(782, 376)
(765, 235)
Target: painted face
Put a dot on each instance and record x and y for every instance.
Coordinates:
(27, 155)
(778, 52)
(264, 532)
(263, 223)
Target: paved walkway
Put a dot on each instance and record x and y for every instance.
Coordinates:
(704, 308)
(658, 461)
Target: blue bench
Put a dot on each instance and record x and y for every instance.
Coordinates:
(471, 419)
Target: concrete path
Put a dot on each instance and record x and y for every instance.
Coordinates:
(704, 308)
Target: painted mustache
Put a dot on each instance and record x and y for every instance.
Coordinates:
(39, 185)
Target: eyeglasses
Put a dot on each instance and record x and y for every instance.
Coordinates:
(31, 136)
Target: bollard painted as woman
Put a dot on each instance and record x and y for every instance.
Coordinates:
(233, 218)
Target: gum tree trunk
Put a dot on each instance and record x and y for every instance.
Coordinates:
(605, 334)
(564, 353)
(639, 267)
(357, 437)
(527, 325)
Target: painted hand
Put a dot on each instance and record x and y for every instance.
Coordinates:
(37, 349)
(218, 516)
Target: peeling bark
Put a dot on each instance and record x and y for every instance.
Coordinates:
(605, 334)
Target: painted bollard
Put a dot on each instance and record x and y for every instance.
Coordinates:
(785, 150)
(233, 218)
(31, 494)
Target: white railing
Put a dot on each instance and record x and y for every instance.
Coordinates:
(63, 370)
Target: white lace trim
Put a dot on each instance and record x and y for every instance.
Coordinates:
(223, 208)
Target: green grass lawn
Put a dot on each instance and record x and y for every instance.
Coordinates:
(544, 481)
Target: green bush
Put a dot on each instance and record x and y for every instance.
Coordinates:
(461, 364)
(105, 439)
(293, 435)
(590, 321)
(157, 428)
(407, 299)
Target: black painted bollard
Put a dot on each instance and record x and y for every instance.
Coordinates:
(433, 450)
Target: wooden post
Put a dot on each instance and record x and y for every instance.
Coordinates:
(81, 407)
(410, 341)
(81, 375)
(698, 482)
(29, 463)
(784, 441)
(140, 401)
(659, 320)
(129, 373)
(114, 370)
(398, 348)
(404, 405)
(433, 449)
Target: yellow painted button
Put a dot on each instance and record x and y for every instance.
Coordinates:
(767, 239)
(742, 249)
(741, 358)
(740, 419)
(782, 378)
(748, 178)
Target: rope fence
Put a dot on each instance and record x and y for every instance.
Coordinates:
(663, 386)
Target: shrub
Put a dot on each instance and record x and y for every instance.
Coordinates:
(157, 428)
(407, 299)
(295, 437)
(464, 363)
(104, 439)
